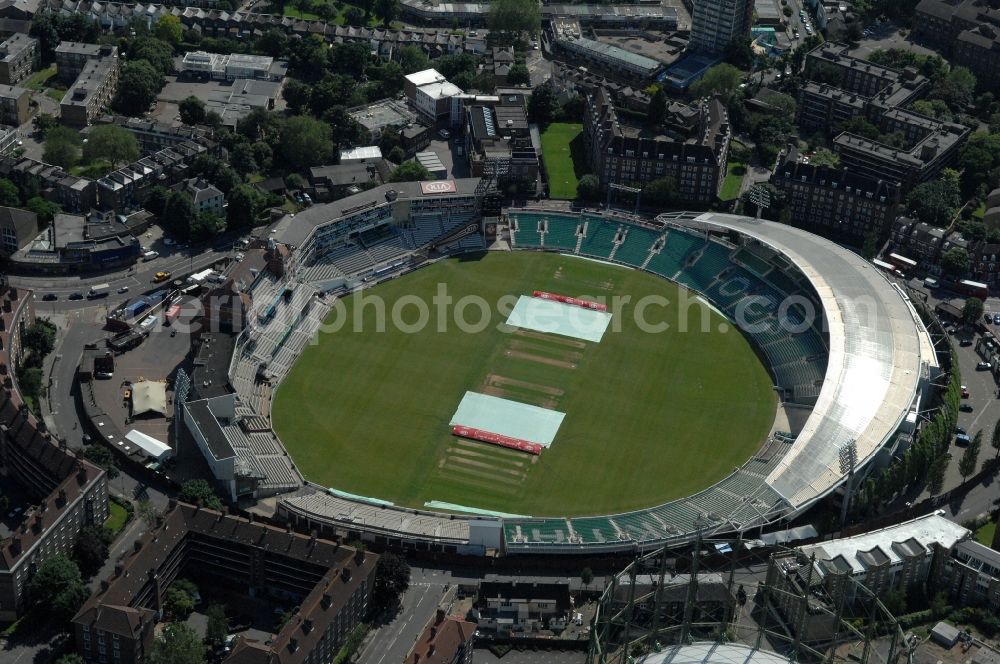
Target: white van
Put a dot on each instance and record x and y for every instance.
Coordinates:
(150, 255)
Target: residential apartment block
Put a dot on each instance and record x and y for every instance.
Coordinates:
(506, 607)
(68, 492)
(330, 586)
(430, 93)
(616, 61)
(127, 187)
(716, 23)
(445, 640)
(18, 57)
(968, 31)
(842, 87)
(92, 71)
(15, 106)
(205, 197)
(498, 141)
(73, 193)
(621, 153)
(836, 202)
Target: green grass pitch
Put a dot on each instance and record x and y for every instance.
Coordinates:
(649, 417)
(560, 162)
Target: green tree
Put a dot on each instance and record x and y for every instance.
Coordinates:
(71, 658)
(387, 11)
(970, 457)
(392, 578)
(273, 42)
(191, 110)
(113, 143)
(722, 79)
(59, 587)
(91, 549)
(156, 200)
(956, 88)
(297, 94)
(955, 262)
(102, 456)
(43, 122)
(178, 603)
(305, 142)
(824, 157)
(39, 338)
(870, 249)
(206, 225)
(396, 155)
(542, 104)
(586, 576)
(660, 192)
(244, 205)
(588, 188)
(894, 601)
(178, 217)
(62, 147)
(977, 158)
(936, 202)
(936, 474)
(200, 492)
(657, 111)
(156, 52)
(149, 514)
(29, 379)
(138, 86)
(241, 158)
(861, 127)
(412, 59)
(168, 28)
(995, 440)
(973, 310)
(515, 16)
(410, 171)
(519, 75)
(217, 626)
(46, 210)
(178, 644)
(9, 196)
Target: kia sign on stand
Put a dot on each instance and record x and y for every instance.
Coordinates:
(438, 187)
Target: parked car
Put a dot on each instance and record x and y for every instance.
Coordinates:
(988, 317)
(983, 366)
(962, 439)
(76, 296)
(996, 319)
(965, 392)
(966, 407)
(965, 342)
(960, 430)
(50, 297)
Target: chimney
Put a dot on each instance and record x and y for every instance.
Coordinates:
(15, 545)
(359, 557)
(326, 602)
(439, 618)
(37, 526)
(137, 545)
(430, 651)
(62, 496)
(307, 625)
(119, 568)
(293, 644)
(250, 517)
(104, 585)
(434, 631)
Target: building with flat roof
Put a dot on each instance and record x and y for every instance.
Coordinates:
(338, 180)
(716, 23)
(18, 57)
(568, 35)
(72, 57)
(621, 153)
(68, 492)
(15, 107)
(836, 202)
(91, 73)
(843, 87)
(230, 67)
(241, 98)
(329, 585)
(127, 187)
(968, 31)
(383, 114)
(430, 93)
(499, 142)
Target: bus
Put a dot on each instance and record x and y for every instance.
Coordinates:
(903, 263)
(172, 312)
(887, 268)
(973, 289)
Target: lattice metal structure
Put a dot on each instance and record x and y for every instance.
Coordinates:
(767, 598)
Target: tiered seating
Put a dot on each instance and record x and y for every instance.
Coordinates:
(426, 228)
(672, 257)
(712, 261)
(321, 271)
(635, 249)
(353, 261)
(527, 234)
(752, 261)
(391, 250)
(600, 238)
(562, 232)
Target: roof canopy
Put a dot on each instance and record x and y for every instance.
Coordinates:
(149, 396)
(149, 445)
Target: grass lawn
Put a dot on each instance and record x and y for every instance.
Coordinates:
(985, 533)
(116, 518)
(980, 211)
(562, 149)
(39, 79)
(56, 94)
(665, 414)
(734, 179)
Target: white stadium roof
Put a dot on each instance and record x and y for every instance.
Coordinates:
(879, 353)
